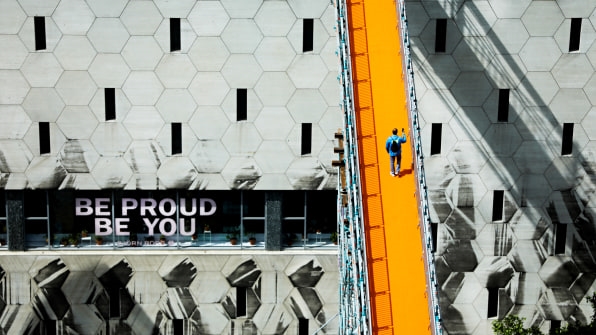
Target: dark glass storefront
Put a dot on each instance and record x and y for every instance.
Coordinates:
(170, 219)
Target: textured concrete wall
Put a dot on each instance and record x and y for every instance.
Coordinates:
(139, 294)
(522, 46)
(125, 45)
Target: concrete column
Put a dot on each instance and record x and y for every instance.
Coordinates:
(273, 238)
(15, 220)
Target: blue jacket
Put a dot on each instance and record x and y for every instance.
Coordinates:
(399, 140)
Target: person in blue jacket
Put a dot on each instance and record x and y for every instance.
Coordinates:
(393, 147)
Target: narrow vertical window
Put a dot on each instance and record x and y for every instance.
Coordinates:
(575, 34)
(175, 44)
(307, 34)
(554, 326)
(110, 102)
(50, 327)
(240, 301)
(503, 109)
(434, 228)
(39, 25)
(493, 302)
(441, 35)
(241, 104)
(567, 145)
(306, 141)
(498, 196)
(303, 326)
(560, 238)
(435, 139)
(178, 326)
(44, 138)
(176, 138)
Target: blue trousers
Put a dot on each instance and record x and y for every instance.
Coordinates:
(392, 161)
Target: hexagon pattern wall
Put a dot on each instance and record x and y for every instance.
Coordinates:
(125, 45)
(538, 255)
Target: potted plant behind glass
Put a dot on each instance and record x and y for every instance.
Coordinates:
(333, 237)
(162, 239)
(232, 235)
(251, 238)
(290, 238)
(98, 240)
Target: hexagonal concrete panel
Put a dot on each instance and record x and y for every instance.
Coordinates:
(111, 172)
(209, 156)
(241, 173)
(533, 157)
(274, 123)
(107, 8)
(475, 19)
(34, 8)
(145, 60)
(514, 30)
(164, 139)
(13, 52)
(208, 18)
(16, 156)
(16, 92)
(175, 71)
(467, 157)
(306, 173)
(589, 124)
(43, 104)
(45, 172)
(570, 105)
(108, 35)
(469, 123)
(471, 88)
(241, 71)
(143, 122)
(14, 123)
(562, 36)
(528, 256)
(241, 139)
(307, 106)
(538, 88)
(331, 122)
(141, 18)
(308, 8)
(275, 18)
(509, 8)
(209, 122)
(109, 70)
(144, 157)
(241, 8)
(531, 189)
(77, 122)
(569, 71)
(241, 36)
(208, 53)
(540, 53)
(274, 157)
(465, 190)
(209, 88)
(42, 69)
(74, 52)
(187, 36)
(558, 271)
(111, 139)
(473, 55)
(435, 105)
(98, 105)
(27, 34)
(502, 140)
(78, 156)
(540, 12)
(179, 8)
(274, 54)
(274, 88)
(499, 174)
(506, 70)
(461, 288)
(142, 88)
(307, 71)
(564, 173)
(535, 123)
(73, 17)
(176, 105)
(76, 87)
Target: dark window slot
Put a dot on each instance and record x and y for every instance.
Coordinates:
(308, 26)
(498, 196)
(50, 327)
(560, 238)
(567, 145)
(241, 104)
(503, 111)
(435, 138)
(441, 35)
(554, 326)
(178, 325)
(115, 303)
(302, 326)
(493, 302)
(39, 25)
(175, 44)
(306, 145)
(44, 138)
(176, 138)
(110, 102)
(575, 34)
(240, 301)
(434, 228)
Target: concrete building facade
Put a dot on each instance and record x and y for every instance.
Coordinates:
(506, 95)
(138, 137)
